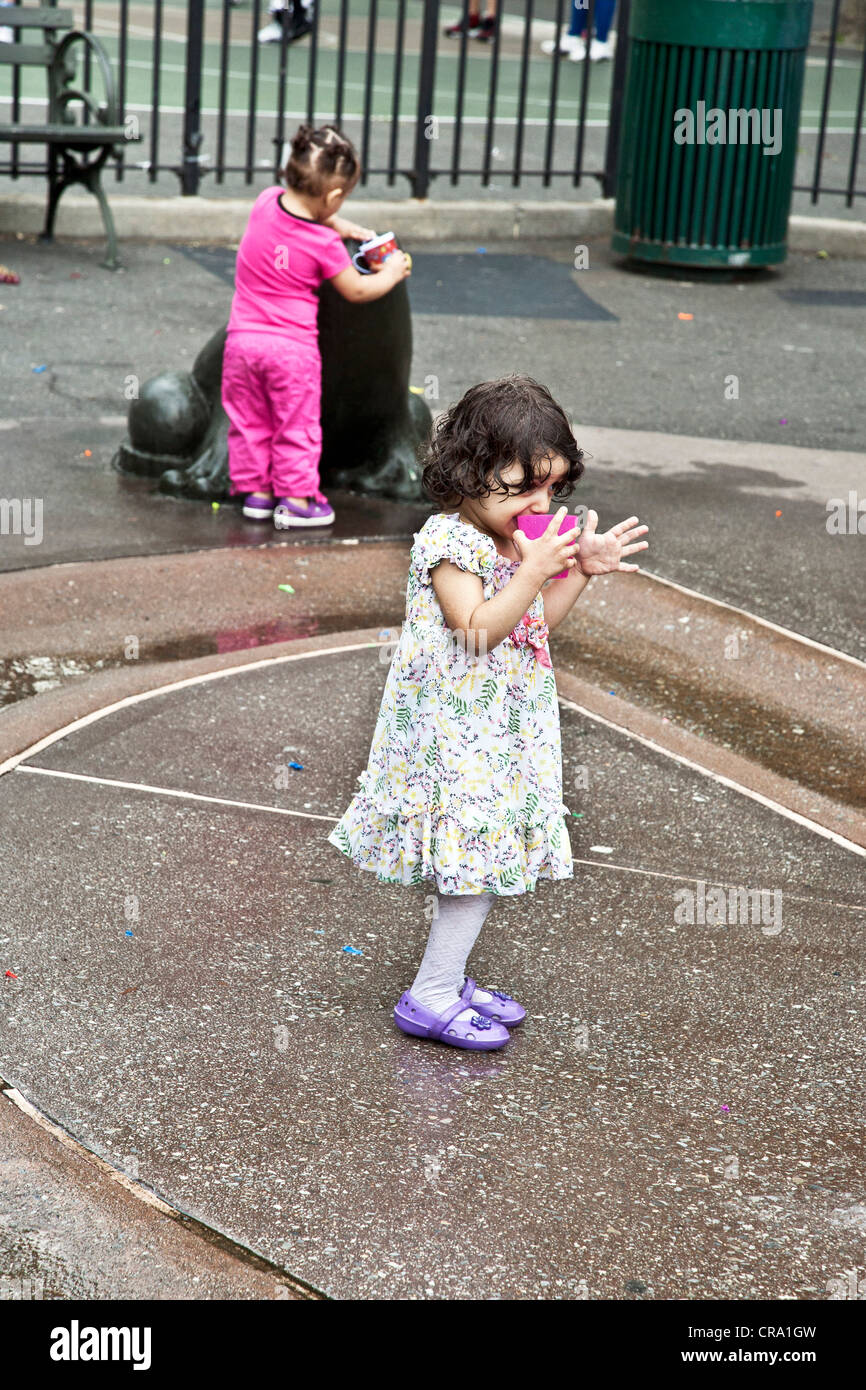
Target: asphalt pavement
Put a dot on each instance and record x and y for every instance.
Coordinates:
(677, 1118)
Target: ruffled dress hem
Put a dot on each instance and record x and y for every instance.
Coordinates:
(508, 860)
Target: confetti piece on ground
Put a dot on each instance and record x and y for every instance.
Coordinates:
(778, 513)
(578, 815)
(128, 933)
(131, 990)
(352, 951)
(88, 453)
(215, 506)
(8, 276)
(75, 275)
(611, 692)
(783, 422)
(822, 255)
(299, 766)
(286, 587)
(40, 369)
(601, 849)
(10, 975)
(685, 316)
(726, 1109)
(166, 260)
(665, 721)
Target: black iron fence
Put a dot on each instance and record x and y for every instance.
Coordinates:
(216, 105)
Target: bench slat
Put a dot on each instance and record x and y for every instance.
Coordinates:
(36, 17)
(25, 54)
(66, 134)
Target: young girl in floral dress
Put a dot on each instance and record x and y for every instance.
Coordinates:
(464, 781)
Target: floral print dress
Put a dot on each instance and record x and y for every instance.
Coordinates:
(463, 786)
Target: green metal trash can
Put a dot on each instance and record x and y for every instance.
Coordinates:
(710, 120)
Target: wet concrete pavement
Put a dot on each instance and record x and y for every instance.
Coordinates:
(678, 1118)
(250, 1067)
(743, 525)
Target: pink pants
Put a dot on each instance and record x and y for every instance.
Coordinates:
(271, 392)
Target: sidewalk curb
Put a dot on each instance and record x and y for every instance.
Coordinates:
(224, 219)
(287, 1285)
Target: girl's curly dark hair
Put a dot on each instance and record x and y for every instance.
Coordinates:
(320, 159)
(495, 424)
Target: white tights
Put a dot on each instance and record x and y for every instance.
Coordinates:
(457, 921)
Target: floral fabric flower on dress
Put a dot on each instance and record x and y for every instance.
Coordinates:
(533, 632)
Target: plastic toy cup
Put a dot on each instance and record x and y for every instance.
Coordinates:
(375, 252)
(533, 526)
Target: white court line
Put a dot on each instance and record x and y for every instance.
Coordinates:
(171, 791)
(710, 882)
(724, 781)
(307, 815)
(128, 700)
(501, 118)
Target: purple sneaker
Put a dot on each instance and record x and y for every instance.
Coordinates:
(258, 506)
(501, 1007)
(477, 1034)
(314, 513)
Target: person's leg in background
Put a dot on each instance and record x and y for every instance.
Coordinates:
(247, 406)
(604, 12)
(295, 385)
(572, 40)
(600, 47)
(476, 26)
(293, 16)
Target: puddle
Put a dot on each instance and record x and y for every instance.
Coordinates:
(22, 677)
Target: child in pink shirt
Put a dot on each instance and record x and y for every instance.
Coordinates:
(272, 368)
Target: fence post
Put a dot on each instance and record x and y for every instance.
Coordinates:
(617, 88)
(420, 175)
(193, 136)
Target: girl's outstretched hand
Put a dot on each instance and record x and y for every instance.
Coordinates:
(602, 554)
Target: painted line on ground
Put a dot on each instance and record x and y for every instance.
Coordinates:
(172, 791)
(718, 777)
(307, 815)
(128, 700)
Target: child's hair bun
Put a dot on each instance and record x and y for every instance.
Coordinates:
(321, 158)
(302, 139)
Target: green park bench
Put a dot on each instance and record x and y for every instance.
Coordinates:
(84, 147)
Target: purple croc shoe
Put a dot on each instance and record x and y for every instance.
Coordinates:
(312, 513)
(478, 1034)
(501, 1007)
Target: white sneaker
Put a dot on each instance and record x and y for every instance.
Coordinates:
(272, 33)
(600, 52)
(567, 43)
(578, 53)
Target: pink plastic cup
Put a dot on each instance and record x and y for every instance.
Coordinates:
(533, 526)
